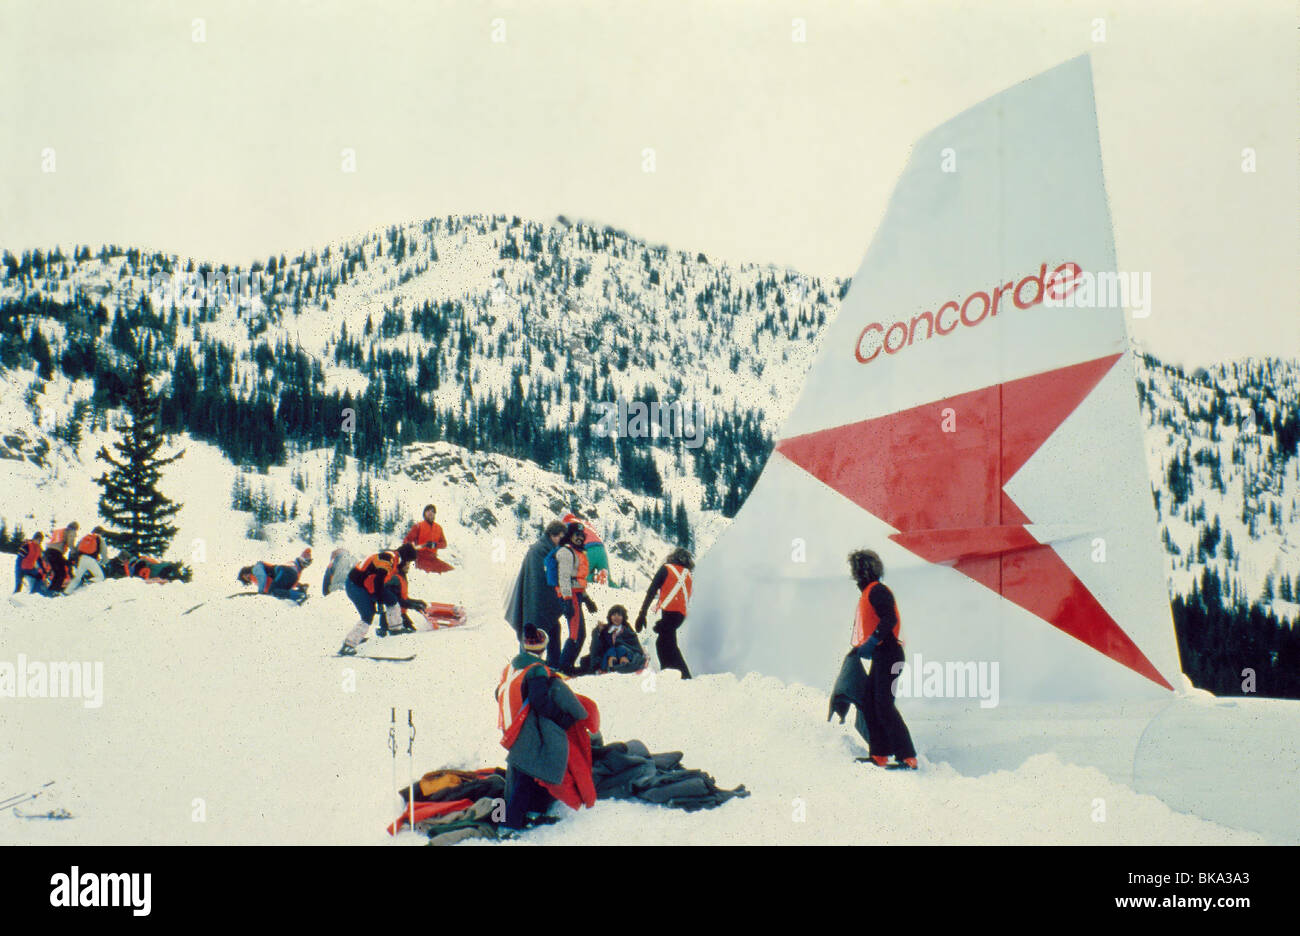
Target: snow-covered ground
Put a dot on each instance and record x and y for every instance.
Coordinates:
(234, 723)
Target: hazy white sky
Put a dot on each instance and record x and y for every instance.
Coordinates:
(766, 149)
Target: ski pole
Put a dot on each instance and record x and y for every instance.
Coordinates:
(392, 746)
(410, 762)
(23, 797)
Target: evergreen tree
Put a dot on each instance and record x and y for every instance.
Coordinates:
(135, 510)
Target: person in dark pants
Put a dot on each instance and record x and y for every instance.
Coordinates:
(533, 601)
(670, 590)
(876, 627)
(57, 567)
(571, 591)
(375, 585)
(534, 710)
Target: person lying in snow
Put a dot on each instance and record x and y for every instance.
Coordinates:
(614, 645)
(146, 567)
(544, 727)
(278, 581)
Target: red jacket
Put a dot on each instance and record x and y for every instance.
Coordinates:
(426, 535)
(578, 787)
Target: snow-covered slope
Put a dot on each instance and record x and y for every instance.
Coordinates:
(234, 724)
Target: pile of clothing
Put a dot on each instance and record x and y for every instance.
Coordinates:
(627, 770)
(454, 805)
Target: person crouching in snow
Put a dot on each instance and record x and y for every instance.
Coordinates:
(375, 584)
(56, 570)
(614, 646)
(571, 586)
(85, 562)
(535, 710)
(30, 566)
(875, 638)
(278, 581)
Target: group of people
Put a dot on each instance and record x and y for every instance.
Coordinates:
(536, 709)
(68, 561)
(550, 594)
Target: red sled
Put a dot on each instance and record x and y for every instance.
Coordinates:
(440, 614)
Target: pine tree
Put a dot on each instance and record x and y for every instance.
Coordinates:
(135, 510)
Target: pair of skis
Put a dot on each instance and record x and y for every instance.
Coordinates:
(247, 594)
(440, 616)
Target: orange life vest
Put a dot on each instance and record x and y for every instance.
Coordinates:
(369, 569)
(512, 707)
(866, 620)
(675, 592)
(580, 569)
(32, 552)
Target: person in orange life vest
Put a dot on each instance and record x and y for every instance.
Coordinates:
(427, 538)
(279, 581)
(85, 561)
(65, 538)
(376, 583)
(571, 586)
(153, 569)
(876, 629)
(30, 565)
(671, 592)
(534, 711)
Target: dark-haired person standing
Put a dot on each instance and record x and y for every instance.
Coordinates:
(533, 602)
(876, 627)
(670, 590)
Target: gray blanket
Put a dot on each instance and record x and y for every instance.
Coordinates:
(851, 688)
(629, 771)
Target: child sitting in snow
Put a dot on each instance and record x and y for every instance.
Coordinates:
(614, 646)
